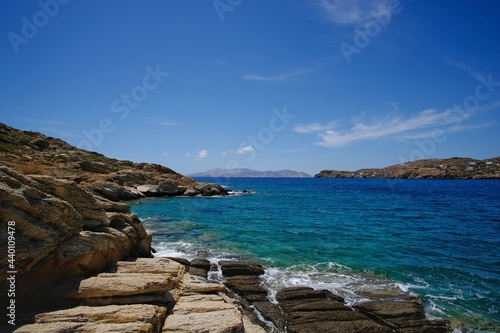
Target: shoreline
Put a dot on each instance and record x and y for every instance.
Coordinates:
(176, 293)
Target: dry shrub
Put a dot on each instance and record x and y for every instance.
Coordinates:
(32, 168)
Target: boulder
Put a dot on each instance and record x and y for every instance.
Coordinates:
(84, 202)
(199, 267)
(212, 189)
(96, 167)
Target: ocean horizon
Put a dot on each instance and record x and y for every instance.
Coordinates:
(437, 239)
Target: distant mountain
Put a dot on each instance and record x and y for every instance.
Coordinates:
(243, 172)
(451, 168)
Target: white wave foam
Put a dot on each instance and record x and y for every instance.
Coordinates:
(338, 279)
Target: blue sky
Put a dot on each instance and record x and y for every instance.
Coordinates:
(268, 85)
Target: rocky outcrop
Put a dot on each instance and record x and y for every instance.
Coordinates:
(159, 295)
(122, 300)
(61, 231)
(33, 153)
(304, 309)
(452, 168)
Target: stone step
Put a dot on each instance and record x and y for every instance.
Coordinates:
(140, 318)
(143, 280)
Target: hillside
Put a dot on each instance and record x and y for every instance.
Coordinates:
(243, 172)
(451, 168)
(34, 153)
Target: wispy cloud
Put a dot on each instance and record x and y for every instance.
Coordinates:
(279, 77)
(243, 150)
(395, 125)
(314, 127)
(465, 68)
(168, 123)
(347, 12)
(203, 153)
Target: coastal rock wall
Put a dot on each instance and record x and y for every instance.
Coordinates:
(61, 231)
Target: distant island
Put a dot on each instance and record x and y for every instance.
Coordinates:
(451, 168)
(243, 172)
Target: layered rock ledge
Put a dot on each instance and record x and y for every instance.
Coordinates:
(149, 295)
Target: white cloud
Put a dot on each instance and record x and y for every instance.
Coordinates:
(279, 77)
(346, 12)
(203, 153)
(314, 127)
(422, 125)
(245, 150)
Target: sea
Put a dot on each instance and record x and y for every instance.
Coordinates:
(438, 239)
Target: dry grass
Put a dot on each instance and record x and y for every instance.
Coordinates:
(32, 168)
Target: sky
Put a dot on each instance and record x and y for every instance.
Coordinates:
(305, 85)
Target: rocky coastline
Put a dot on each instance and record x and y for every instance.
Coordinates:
(174, 295)
(451, 168)
(82, 262)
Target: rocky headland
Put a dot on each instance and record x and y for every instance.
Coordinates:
(243, 172)
(32, 153)
(451, 168)
(79, 261)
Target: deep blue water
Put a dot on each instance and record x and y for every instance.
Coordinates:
(435, 238)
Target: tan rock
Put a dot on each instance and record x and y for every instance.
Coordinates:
(110, 285)
(151, 265)
(113, 318)
(204, 313)
(199, 285)
(66, 327)
(84, 202)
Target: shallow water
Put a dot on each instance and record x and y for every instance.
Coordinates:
(438, 239)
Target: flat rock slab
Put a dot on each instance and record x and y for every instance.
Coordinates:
(233, 268)
(86, 328)
(109, 285)
(204, 313)
(198, 285)
(308, 310)
(112, 318)
(150, 265)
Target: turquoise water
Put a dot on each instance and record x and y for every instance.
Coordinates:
(438, 239)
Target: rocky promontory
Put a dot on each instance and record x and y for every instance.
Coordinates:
(33, 153)
(451, 168)
(61, 214)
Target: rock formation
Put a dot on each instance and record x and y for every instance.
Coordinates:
(61, 230)
(34, 153)
(452, 168)
(159, 295)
